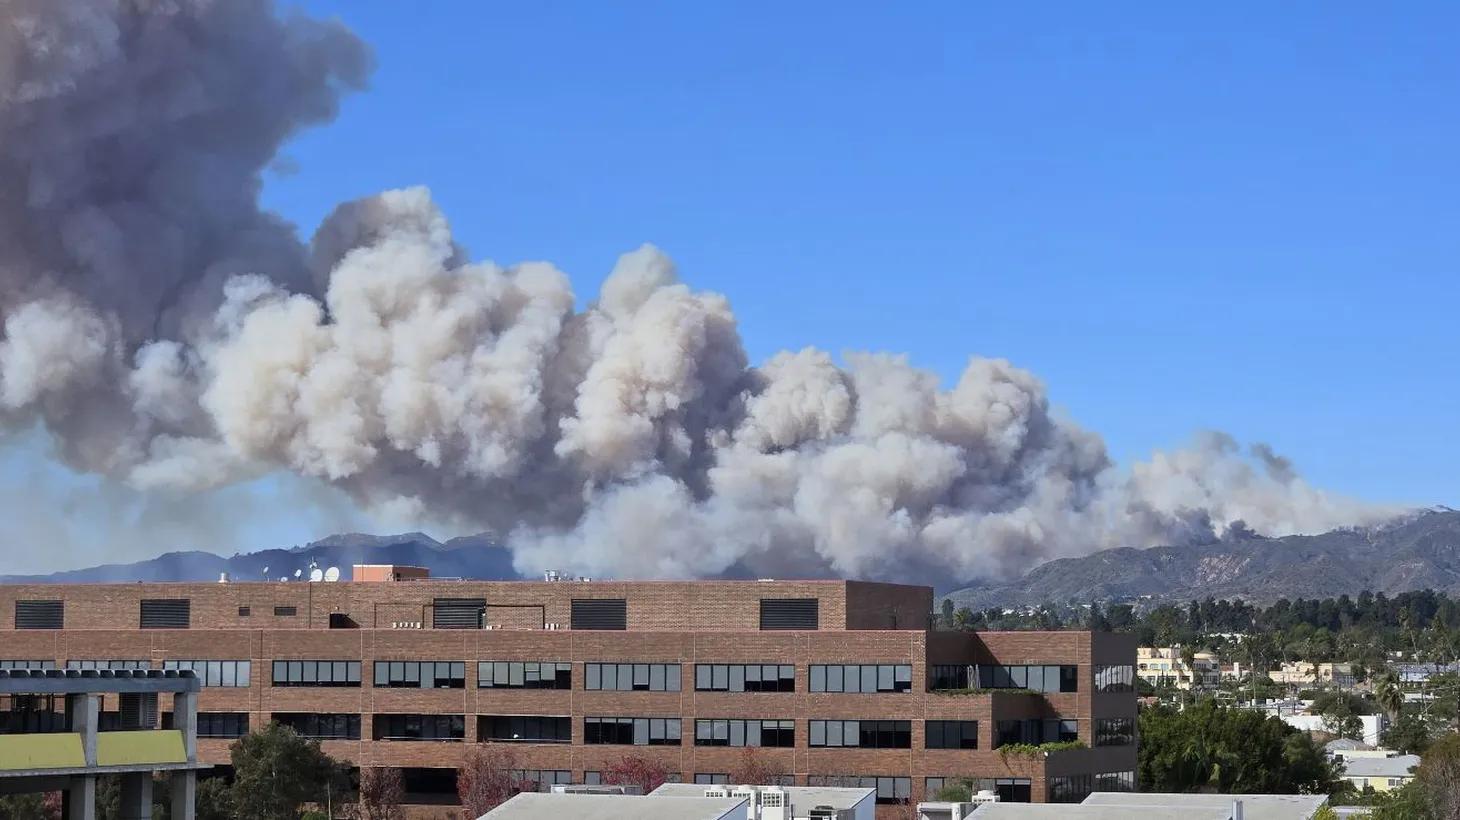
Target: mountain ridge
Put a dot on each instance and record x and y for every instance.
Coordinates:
(1418, 551)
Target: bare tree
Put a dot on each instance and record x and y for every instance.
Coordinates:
(635, 770)
(1439, 772)
(487, 779)
(754, 769)
(382, 791)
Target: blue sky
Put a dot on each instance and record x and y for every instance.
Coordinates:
(1242, 216)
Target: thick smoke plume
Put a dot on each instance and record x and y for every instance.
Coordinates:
(173, 336)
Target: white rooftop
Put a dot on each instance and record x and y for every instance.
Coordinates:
(802, 797)
(1254, 806)
(1078, 811)
(1380, 766)
(544, 806)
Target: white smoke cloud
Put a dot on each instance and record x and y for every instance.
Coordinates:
(174, 338)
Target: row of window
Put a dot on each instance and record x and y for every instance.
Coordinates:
(622, 731)
(628, 677)
(1076, 787)
(763, 733)
(1117, 678)
(865, 678)
(629, 731)
(420, 674)
(1038, 678)
(1035, 731)
(631, 677)
(1009, 789)
(1115, 731)
(890, 790)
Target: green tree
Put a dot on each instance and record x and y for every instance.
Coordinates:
(945, 619)
(1410, 735)
(215, 800)
(28, 807)
(1388, 694)
(1439, 776)
(275, 771)
(963, 619)
(1209, 747)
(954, 793)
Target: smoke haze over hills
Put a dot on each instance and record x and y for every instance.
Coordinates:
(175, 339)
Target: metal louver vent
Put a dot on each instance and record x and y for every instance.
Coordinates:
(166, 613)
(600, 613)
(458, 613)
(40, 614)
(138, 710)
(790, 613)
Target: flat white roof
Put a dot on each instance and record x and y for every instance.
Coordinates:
(545, 806)
(803, 798)
(1254, 806)
(1079, 811)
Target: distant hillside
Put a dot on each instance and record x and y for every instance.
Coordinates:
(1416, 552)
(476, 557)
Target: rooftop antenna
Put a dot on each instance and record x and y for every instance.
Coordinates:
(316, 575)
(332, 574)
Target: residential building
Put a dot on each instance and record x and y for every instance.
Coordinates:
(56, 737)
(1304, 674)
(1380, 773)
(838, 683)
(1165, 666)
(1420, 673)
(1374, 726)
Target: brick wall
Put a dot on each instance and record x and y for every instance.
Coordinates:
(671, 622)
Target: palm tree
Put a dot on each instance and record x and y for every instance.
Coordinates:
(1388, 694)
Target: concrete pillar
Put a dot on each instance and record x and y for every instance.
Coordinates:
(185, 720)
(83, 712)
(78, 801)
(184, 795)
(136, 796)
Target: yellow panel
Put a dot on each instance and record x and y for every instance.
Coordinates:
(139, 748)
(54, 751)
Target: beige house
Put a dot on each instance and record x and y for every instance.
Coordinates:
(1314, 674)
(1163, 666)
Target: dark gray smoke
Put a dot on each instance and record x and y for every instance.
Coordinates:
(172, 336)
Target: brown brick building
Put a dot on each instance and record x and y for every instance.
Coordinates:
(837, 682)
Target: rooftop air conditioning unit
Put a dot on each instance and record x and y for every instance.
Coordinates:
(717, 791)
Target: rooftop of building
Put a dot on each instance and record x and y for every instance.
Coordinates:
(801, 797)
(679, 606)
(1066, 811)
(546, 806)
(1254, 806)
(1398, 766)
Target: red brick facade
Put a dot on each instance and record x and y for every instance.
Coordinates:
(668, 622)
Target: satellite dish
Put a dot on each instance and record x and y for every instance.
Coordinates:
(315, 576)
(266, 571)
(332, 574)
(298, 572)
